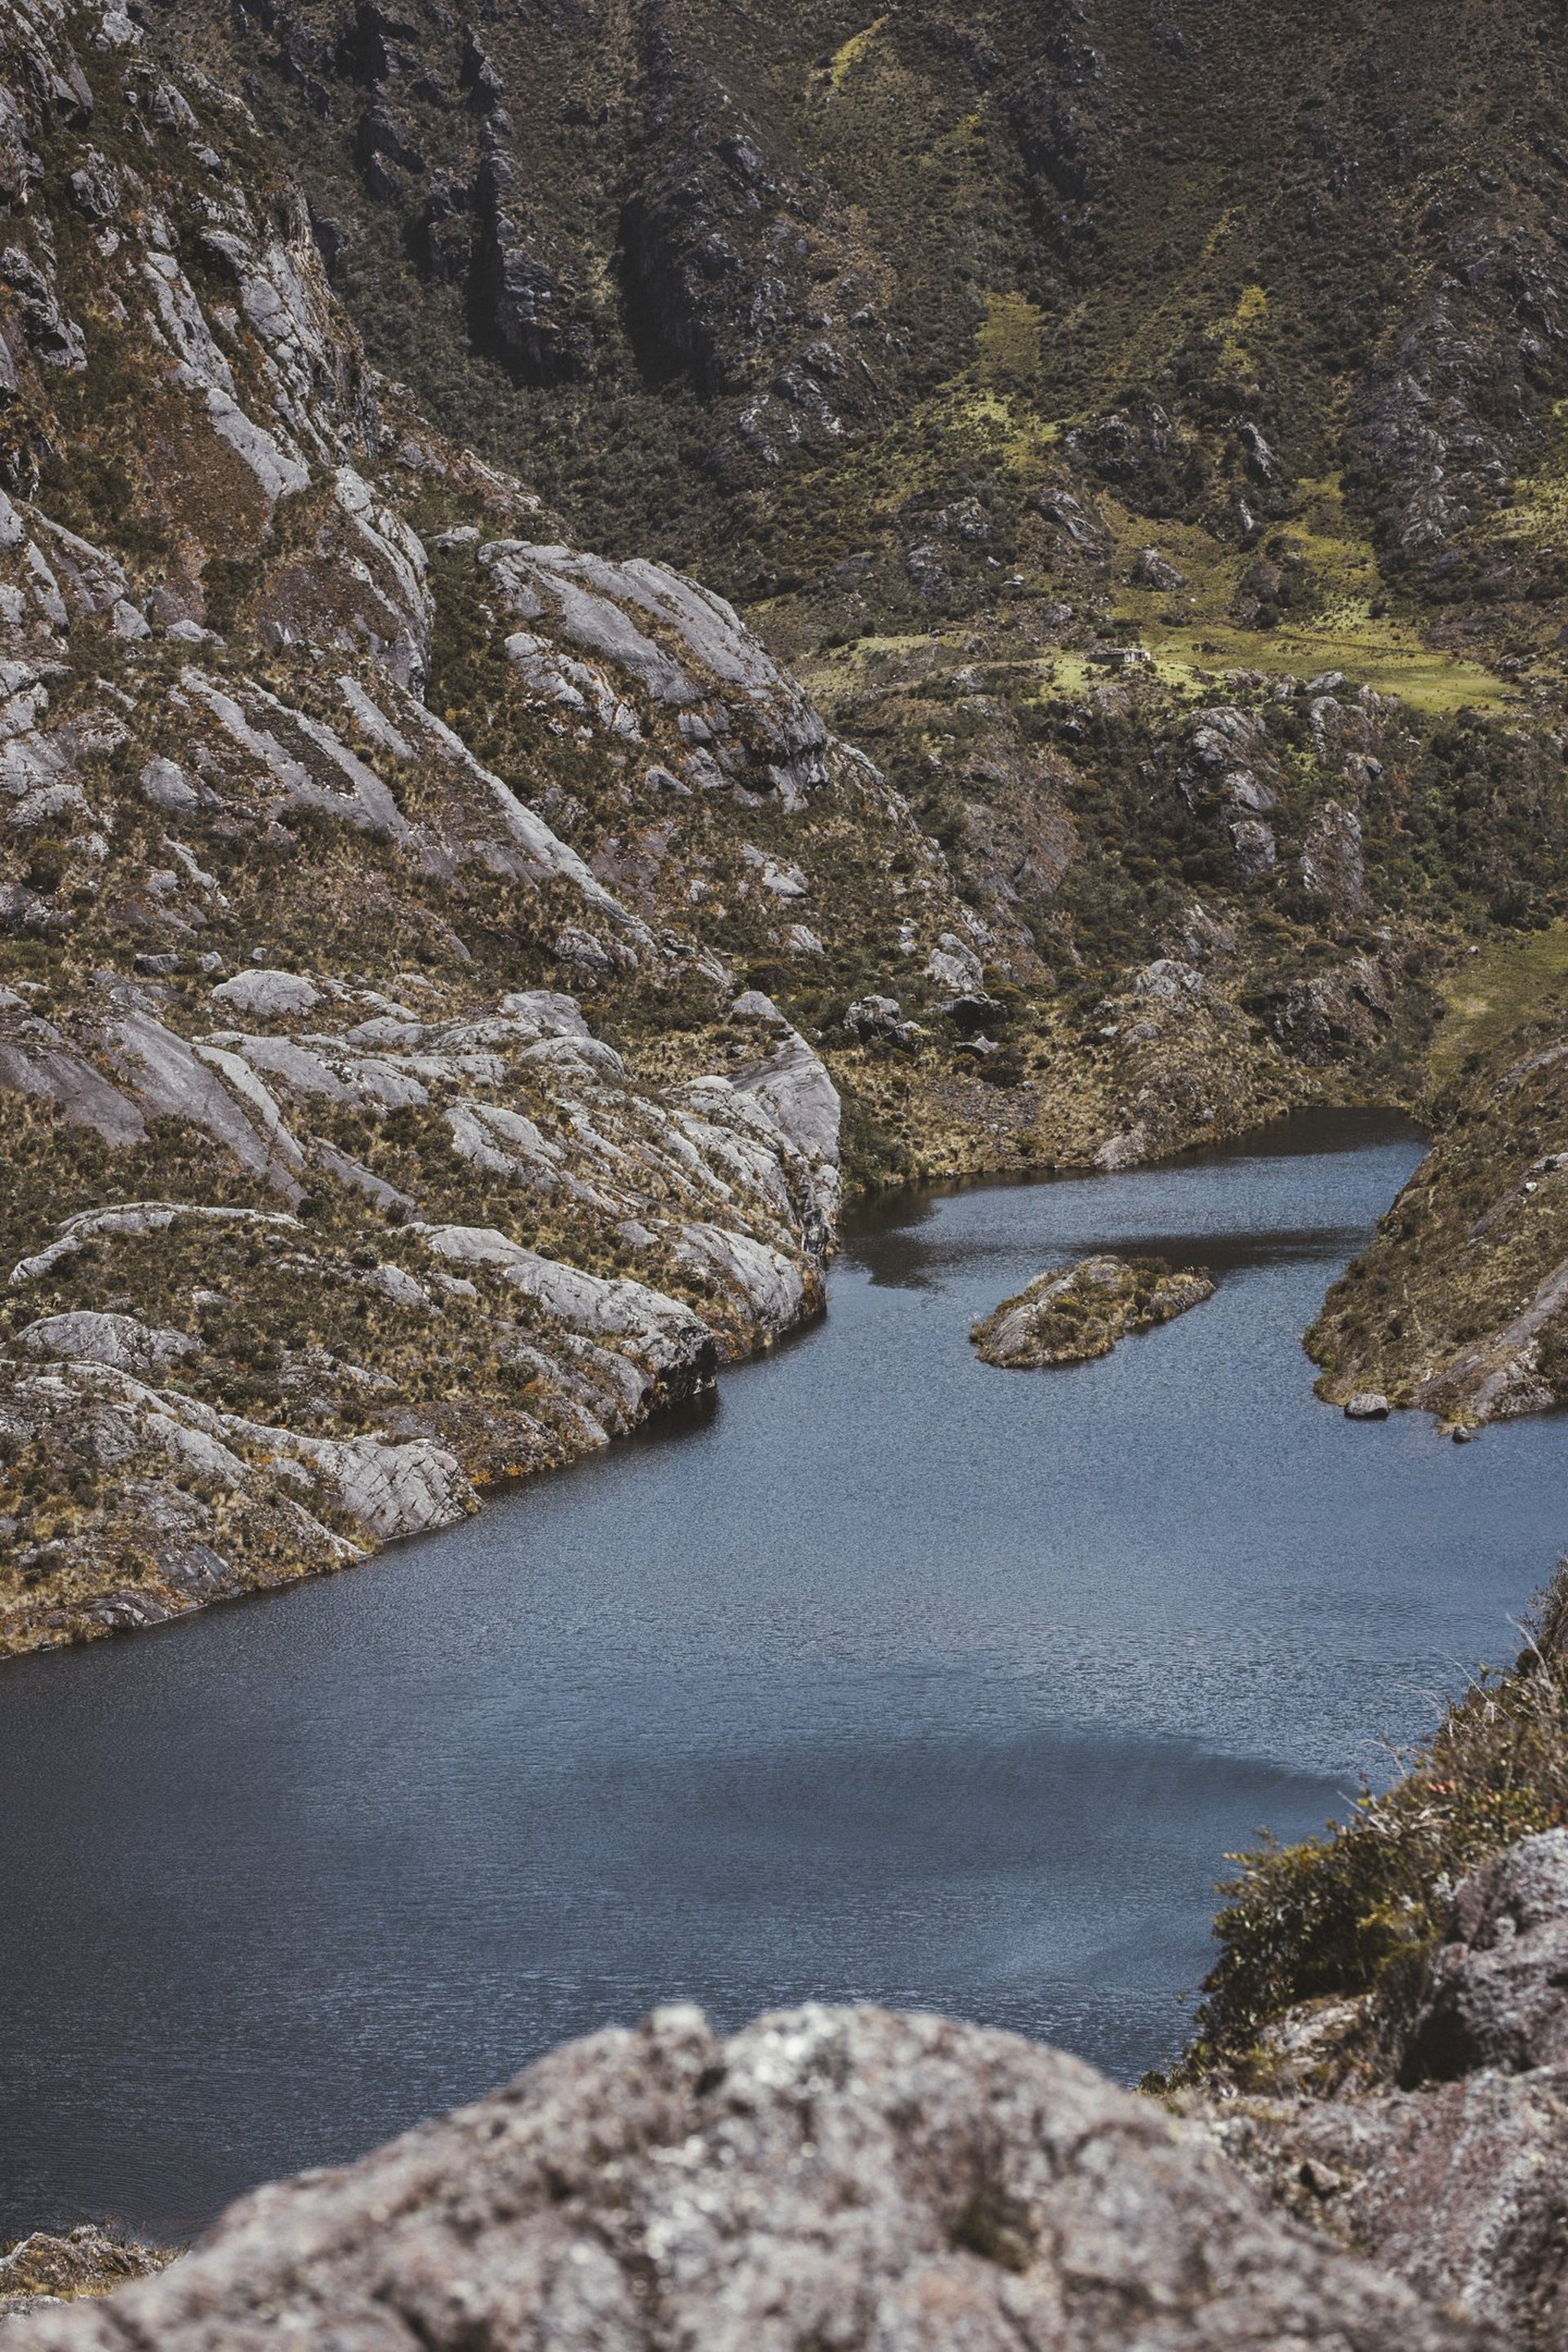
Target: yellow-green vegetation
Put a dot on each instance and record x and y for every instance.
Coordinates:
(1490, 990)
(1338, 618)
(1234, 341)
(1007, 341)
(846, 58)
(974, 425)
(1358, 1913)
(1374, 656)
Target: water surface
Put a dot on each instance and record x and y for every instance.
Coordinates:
(891, 1676)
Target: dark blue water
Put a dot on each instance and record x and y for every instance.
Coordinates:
(892, 1677)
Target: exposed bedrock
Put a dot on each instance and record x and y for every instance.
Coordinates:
(845, 2177)
(1457, 2178)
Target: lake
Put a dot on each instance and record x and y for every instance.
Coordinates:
(885, 1677)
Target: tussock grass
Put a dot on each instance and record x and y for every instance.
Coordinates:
(1360, 1910)
(1491, 991)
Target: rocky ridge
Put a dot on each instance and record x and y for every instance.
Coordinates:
(327, 1202)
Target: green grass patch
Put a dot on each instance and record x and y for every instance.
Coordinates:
(1343, 622)
(1491, 991)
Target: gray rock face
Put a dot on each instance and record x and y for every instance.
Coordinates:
(794, 1090)
(120, 1341)
(880, 1020)
(1498, 1996)
(1153, 570)
(953, 964)
(826, 2178)
(669, 1339)
(1322, 1018)
(267, 996)
(1332, 866)
(1455, 2182)
(1498, 1376)
(1457, 2190)
(525, 303)
(645, 631)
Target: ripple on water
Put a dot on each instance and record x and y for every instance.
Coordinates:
(891, 1677)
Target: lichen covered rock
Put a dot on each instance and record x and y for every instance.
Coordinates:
(825, 2176)
(1454, 2179)
(1499, 1991)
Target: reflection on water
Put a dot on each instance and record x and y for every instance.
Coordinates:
(888, 1676)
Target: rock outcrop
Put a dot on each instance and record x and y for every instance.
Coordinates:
(378, 1122)
(1456, 2180)
(52, 2267)
(1498, 1997)
(1073, 1317)
(1459, 1306)
(843, 2176)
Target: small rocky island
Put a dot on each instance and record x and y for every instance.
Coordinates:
(1071, 1317)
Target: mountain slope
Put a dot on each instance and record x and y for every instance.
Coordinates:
(324, 1199)
(435, 955)
(1139, 428)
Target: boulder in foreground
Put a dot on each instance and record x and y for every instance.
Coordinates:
(844, 2178)
(1072, 1316)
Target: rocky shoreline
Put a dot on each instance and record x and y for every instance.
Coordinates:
(542, 1361)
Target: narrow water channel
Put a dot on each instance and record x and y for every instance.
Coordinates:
(890, 1678)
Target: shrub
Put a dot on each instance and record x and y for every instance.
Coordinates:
(1360, 1910)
